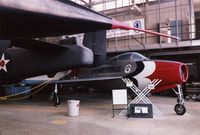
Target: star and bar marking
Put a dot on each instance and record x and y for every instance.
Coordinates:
(3, 63)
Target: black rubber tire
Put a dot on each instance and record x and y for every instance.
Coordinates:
(179, 109)
(56, 100)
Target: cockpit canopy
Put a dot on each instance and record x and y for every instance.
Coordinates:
(130, 56)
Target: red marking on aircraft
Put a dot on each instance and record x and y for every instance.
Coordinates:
(171, 73)
(119, 25)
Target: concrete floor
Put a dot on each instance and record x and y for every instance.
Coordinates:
(41, 118)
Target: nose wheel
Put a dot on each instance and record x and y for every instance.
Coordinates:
(179, 108)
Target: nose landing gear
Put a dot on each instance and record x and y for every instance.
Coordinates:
(179, 108)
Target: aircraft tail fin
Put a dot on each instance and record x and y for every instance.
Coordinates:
(96, 41)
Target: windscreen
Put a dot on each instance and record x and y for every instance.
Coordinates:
(131, 56)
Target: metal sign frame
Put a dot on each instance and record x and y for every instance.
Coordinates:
(141, 96)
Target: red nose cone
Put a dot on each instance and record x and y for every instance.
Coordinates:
(170, 72)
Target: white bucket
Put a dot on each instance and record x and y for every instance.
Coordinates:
(73, 107)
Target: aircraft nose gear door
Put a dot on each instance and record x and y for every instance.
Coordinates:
(179, 108)
(55, 97)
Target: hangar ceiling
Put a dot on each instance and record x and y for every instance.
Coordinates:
(101, 5)
(171, 15)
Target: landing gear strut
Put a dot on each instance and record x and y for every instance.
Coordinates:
(179, 108)
(54, 97)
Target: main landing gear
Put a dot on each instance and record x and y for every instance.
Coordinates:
(179, 107)
(55, 97)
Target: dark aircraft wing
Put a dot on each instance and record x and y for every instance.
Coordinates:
(45, 18)
(88, 79)
(96, 82)
(76, 82)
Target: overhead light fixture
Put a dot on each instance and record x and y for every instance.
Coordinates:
(134, 7)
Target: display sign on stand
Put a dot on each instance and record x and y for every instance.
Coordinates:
(119, 98)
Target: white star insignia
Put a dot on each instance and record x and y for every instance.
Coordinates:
(3, 63)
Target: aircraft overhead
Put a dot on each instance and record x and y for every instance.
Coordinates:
(42, 18)
(22, 20)
(45, 18)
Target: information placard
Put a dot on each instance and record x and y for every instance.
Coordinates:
(119, 96)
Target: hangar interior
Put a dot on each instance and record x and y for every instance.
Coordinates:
(34, 115)
(176, 17)
(179, 18)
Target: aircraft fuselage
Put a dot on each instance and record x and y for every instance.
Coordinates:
(140, 72)
(18, 63)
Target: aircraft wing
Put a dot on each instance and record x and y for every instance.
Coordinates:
(43, 18)
(46, 18)
(88, 79)
(74, 82)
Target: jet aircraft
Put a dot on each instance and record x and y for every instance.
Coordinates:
(23, 56)
(22, 21)
(136, 67)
